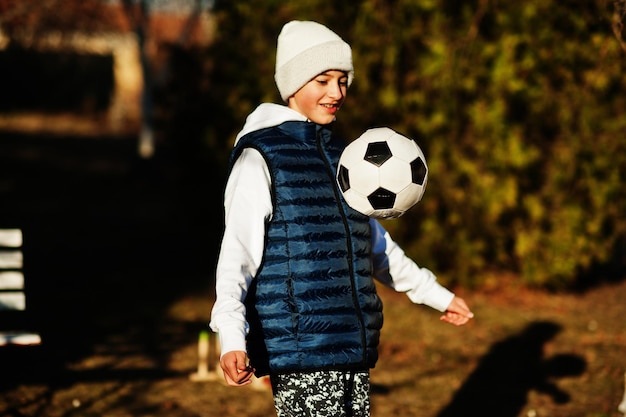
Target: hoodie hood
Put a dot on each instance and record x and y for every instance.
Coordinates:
(269, 115)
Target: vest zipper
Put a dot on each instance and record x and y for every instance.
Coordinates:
(344, 219)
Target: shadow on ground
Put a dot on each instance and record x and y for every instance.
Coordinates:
(513, 367)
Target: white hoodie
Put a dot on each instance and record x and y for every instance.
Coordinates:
(248, 206)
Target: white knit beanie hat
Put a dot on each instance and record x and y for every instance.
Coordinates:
(306, 49)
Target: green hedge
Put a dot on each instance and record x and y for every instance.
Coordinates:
(519, 107)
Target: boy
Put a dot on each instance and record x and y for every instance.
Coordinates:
(294, 285)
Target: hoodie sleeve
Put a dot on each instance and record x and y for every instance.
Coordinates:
(397, 271)
(247, 205)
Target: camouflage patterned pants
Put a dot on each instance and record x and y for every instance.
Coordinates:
(322, 394)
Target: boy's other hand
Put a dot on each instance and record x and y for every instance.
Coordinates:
(457, 313)
(237, 372)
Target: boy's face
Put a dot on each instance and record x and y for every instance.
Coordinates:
(320, 99)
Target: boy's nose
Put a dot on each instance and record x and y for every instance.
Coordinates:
(334, 91)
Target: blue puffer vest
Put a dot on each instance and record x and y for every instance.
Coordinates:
(313, 304)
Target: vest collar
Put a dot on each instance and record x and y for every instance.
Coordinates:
(306, 131)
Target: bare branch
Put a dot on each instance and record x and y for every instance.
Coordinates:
(617, 22)
(482, 9)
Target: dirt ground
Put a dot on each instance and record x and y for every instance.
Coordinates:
(118, 260)
(524, 355)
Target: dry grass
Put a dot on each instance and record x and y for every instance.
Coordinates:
(525, 354)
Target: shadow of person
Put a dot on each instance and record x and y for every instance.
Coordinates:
(513, 367)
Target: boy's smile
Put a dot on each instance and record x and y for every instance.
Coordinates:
(321, 98)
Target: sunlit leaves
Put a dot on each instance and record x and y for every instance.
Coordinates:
(521, 126)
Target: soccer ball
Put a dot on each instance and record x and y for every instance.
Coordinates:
(382, 174)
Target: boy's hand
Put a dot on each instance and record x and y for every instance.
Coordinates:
(236, 370)
(457, 313)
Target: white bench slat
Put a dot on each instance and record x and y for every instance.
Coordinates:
(11, 238)
(11, 259)
(11, 280)
(19, 338)
(12, 301)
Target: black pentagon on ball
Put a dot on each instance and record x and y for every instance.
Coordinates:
(343, 179)
(382, 199)
(418, 171)
(377, 153)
